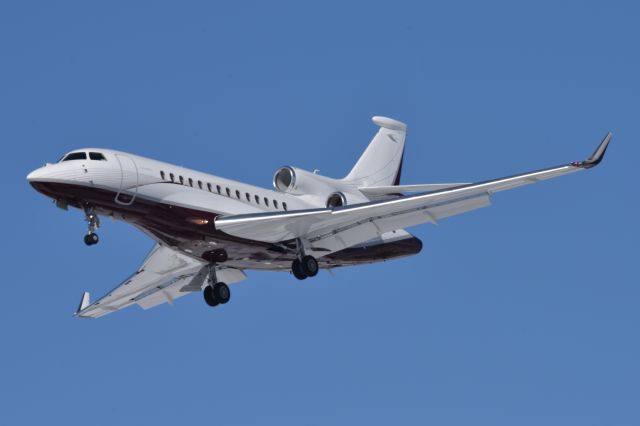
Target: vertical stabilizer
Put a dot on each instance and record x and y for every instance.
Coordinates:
(381, 162)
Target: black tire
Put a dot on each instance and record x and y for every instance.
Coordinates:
(91, 239)
(296, 268)
(209, 296)
(309, 266)
(221, 293)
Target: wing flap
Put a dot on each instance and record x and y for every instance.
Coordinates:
(185, 284)
(350, 234)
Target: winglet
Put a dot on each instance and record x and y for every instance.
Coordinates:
(597, 155)
(84, 302)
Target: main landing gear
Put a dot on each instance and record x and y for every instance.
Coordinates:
(215, 293)
(93, 222)
(304, 265)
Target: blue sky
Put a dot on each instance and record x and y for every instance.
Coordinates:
(523, 313)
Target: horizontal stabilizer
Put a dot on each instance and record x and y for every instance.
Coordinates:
(380, 191)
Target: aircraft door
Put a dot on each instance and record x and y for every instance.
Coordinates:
(129, 180)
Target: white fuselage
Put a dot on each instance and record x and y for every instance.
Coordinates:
(177, 206)
(138, 176)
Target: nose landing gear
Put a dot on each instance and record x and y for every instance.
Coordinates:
(93, 222)
(91, 239)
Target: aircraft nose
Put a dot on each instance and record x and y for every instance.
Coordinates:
(36, 175)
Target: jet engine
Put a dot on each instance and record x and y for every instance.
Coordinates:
(323, 191)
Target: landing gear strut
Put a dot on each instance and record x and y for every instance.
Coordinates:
(304, 265)
(93, 222)
(216, 293)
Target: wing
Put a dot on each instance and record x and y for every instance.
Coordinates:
(329, 230)
(164, 276)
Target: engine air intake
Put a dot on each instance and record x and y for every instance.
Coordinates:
(284, 180)
(337, 199)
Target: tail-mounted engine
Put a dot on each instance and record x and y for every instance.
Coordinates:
(317, 188)
(337, 199)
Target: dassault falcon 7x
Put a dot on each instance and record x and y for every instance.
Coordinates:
(209, 230)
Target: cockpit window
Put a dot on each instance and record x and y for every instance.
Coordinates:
(75, 156)
(96, 156)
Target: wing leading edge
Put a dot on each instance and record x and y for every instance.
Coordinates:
(338, 228)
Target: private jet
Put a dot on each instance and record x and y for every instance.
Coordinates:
(209, 230)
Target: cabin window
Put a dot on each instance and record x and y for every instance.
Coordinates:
(228, 192)
(97, 156)
(275, 203)
(75, 156)
(248, 196)
(237, 194)
(284, 206)
(257, 200)
(266, 201)
(219, 189)
(200, 184)
(209, 187)
(181, 180)
(162, 175)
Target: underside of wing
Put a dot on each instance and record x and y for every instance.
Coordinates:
(164, 276)
(330, 230)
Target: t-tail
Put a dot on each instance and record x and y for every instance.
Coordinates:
(381, 162)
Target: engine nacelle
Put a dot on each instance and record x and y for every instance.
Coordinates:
(292, 180)
(319, 190)
(337, 199)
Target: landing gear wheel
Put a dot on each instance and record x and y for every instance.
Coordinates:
(91, 239)
(221, 292)
(309, 266)
(296, 268)
(209, 297)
